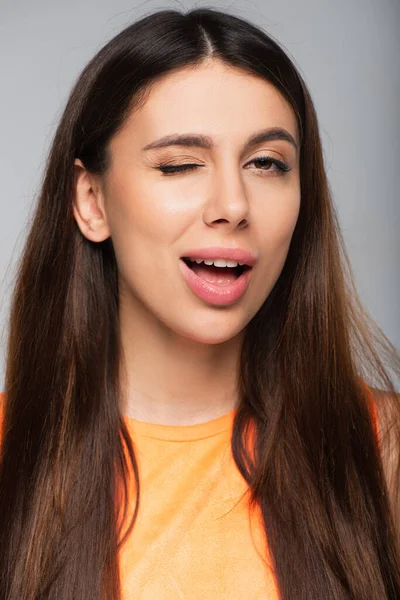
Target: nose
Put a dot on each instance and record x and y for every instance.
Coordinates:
(227, 203)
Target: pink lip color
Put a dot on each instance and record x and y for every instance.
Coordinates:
(215, 294)
(239, 254)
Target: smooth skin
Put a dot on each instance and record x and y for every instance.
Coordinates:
(181, 353)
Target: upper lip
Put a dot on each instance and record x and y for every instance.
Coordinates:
(237, 254)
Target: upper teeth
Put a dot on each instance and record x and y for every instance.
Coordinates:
(219, 262)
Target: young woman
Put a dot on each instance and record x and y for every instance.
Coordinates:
(189, 404)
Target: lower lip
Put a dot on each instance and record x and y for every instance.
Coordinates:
(215, 294)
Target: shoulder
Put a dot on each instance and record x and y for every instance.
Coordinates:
(387, 410)
(1, 415)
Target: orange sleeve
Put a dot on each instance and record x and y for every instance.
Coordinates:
(374, 412)
(1, 409)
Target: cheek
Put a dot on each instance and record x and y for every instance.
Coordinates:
(283, 224)
(279, 218)
(145, 213)
(274, 236)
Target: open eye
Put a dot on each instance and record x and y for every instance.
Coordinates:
(271, 164)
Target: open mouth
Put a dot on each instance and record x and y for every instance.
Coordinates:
(214, 274)
(218, 286)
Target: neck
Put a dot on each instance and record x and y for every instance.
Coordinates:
(173, 380)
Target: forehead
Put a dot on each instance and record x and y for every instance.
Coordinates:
(211, 99)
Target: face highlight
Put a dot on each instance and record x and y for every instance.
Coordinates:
(160, 202)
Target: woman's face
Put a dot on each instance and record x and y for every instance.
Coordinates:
(236, 197)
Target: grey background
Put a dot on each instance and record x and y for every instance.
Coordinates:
(348, 52)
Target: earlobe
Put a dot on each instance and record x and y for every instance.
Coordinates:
(88, 205)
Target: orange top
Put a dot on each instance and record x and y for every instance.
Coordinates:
(194, 536)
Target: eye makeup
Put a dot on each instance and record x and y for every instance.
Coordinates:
(274, 166)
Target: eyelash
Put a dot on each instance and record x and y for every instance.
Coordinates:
(281, 167)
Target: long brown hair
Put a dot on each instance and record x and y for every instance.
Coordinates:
(316, 470)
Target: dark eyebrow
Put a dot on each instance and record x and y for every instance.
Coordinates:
(205, 141)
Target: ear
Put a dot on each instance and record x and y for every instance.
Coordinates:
(88, 204)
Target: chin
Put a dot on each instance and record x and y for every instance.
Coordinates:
(216, 331)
